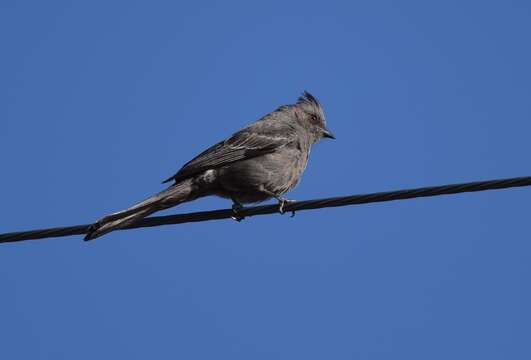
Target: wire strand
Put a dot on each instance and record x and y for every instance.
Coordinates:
(291, 207)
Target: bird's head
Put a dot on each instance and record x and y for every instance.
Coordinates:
(312, 116)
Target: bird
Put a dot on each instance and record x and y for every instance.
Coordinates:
(264, 160)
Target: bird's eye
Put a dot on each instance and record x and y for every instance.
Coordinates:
(313, 118)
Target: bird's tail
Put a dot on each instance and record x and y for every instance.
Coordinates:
(174, 195)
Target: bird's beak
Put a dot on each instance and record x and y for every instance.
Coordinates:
(328, 134)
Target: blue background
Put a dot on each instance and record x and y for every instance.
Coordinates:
(100, 101)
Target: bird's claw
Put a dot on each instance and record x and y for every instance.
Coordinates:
(283, 202)
(235, 211)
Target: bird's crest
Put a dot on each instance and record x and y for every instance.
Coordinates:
(308, 99)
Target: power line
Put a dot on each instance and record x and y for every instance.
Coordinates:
(292, 207)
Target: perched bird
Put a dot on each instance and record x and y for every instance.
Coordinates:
(262, 161)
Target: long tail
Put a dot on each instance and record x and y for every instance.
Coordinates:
(174, 195)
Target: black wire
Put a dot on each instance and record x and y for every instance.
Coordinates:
(292, 207)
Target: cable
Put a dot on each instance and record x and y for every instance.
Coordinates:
(292, 207)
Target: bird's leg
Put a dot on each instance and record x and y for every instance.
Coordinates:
(283, 202)
(236, 207)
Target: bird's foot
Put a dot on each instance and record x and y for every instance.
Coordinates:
(236, 208)
(283, 202)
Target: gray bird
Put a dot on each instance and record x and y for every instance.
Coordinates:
(262, 161)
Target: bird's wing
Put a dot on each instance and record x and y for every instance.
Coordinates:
(245, 144)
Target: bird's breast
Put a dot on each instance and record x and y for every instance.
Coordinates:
(276, 172)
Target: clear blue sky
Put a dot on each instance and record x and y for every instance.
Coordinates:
(101, 100)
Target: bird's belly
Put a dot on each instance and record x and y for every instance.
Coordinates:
(256, 179)
(244, 197)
